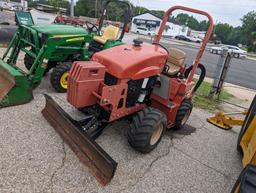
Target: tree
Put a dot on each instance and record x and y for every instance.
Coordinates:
(59, 3)
(115, 10)
(157, 13)
(139, 10)
(85, 8)
(249, 30)
(223, 31)
(203, 25)
(234, 37)
(185, 19)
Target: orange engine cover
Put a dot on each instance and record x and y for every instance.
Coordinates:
(84, 79)
(130, 62)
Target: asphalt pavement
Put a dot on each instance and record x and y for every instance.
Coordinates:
(242, 72)
(34, 159)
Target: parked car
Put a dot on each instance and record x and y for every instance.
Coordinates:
(184, 38)
(236, 51)
(194, 39)
(145, 31)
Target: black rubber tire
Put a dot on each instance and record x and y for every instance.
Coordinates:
(185, 109)
(57, 72)
(143, 124)
(28, 61)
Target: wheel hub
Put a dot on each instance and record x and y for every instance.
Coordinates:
(64, 80)
(157, 133)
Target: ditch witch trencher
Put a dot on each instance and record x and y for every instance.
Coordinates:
(146, 84)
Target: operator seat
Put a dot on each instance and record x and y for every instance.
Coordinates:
(175, 61)
(110, 33)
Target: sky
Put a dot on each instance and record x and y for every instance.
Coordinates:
(224, 11)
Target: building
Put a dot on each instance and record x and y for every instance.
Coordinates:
(50, 9)
(197, 34)
(151, 24)
(40, 17)
(13, 6)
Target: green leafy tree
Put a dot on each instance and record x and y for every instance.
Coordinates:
(249, 30)
(185, 19)
(203, 25)
(157, 13)
(223, 31)
(59, 3)
(93, 8)
(234, 37)
(139, 10)
(85, 8)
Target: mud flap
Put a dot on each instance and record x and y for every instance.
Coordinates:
(100, 164)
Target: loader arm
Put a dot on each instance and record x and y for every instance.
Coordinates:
(16, 82)
(54, 43)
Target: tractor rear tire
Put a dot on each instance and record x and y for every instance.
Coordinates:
(59, 77)
(183, 114)
(146, 129)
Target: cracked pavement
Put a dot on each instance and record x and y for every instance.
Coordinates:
(34, 159)
(200, 158)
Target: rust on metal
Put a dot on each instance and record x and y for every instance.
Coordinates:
(6, 83)
(100, 164)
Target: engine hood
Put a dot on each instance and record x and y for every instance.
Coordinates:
(130, 62)
(59, 29)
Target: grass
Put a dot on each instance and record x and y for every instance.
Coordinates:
(202, 100)
(249, 54)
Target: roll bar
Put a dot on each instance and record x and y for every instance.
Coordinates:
(127, 15)
(205, 40)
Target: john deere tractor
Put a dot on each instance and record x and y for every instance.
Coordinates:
(52, 46)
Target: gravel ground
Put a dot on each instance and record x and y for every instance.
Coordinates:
(201, 158)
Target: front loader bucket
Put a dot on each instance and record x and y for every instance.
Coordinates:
(14, 86)
(100, 164)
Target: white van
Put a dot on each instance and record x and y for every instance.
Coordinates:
(144, 31)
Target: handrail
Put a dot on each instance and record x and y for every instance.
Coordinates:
(205, 40)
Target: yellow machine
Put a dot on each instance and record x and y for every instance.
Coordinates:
(246, 145)
(247, 137)
(225, 121)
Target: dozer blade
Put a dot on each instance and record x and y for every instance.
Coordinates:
(100, 164)
(14, 86)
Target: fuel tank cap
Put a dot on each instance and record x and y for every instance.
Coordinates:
(137, 42)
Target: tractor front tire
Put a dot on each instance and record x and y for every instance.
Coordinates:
(183, 114)
(59, 77)
(146, 129)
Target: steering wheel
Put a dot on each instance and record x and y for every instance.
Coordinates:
(154, 43)
(90, 26)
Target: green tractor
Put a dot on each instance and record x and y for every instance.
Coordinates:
(52, 46)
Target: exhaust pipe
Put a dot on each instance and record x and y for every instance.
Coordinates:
(100, 164)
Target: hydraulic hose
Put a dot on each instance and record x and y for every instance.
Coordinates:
(201, 77)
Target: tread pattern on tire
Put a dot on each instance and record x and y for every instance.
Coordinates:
(184, 107)
(141, 128)
(56, 76)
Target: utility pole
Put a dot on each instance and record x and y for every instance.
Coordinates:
(220, 72)
(72, 8)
